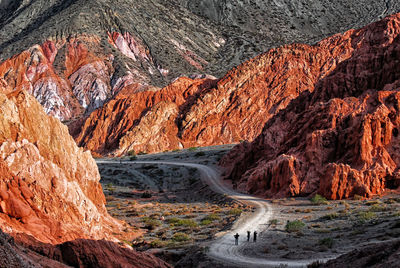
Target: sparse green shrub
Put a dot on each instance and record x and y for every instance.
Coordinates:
(373, 202)
(180, 237)
(133, 158)
(173, 220)
(273, 222)
(192, 149)
(150, 223)
(205, 222)
(182, 222)
(235, 211)
(319, 200)
(377, 208)
(294, 226)
(323, 231)
(110, 187)
(175, 150)
(364, 216)
(157, 243)
(142, 153)
(212, 217)
(326, 242)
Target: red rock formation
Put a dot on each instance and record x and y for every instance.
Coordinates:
(340, 140)
(140, 120)
(85, 253)
(49, 187)
(73, 76)
(231, 109)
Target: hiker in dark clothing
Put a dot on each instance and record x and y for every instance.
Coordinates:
(236, 236)
(255, 236)
(248, 236)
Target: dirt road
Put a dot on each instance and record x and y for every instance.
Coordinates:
(224, 248)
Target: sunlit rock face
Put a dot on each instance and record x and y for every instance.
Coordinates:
(49, 187)
(203, 112)
(76, 55)
(338, 139)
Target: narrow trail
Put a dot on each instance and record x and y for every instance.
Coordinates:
(223, 248)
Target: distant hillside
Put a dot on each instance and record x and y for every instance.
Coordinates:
(91, 49)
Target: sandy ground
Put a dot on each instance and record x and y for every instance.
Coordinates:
(320, 230)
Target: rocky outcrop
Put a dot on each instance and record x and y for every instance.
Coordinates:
(78, 54)
(85, 253)
(49, 188)
(26, 252)
(339, 140)
(209, 112)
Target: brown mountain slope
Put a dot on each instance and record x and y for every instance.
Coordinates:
(341, 139)
(208, 112)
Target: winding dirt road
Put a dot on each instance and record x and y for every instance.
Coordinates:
(223, 249)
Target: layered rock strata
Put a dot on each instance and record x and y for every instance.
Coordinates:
(49, 187)
(339, 140)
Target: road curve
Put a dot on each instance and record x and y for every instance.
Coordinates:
(223, 248)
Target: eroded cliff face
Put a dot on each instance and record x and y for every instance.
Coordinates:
(49, 187)
(203, 112)
(78, 54)
(74, 76)
(341, 139)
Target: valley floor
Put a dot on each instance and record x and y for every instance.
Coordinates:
(179, 217)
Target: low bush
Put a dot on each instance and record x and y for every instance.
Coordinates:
(377, 208)
(182, 222)
(319, 200)
(294, 226)
(180, 237)
(235, 211)
(192, 149)
(205, 222)
(150, 223)
(157, 243)
(364, 216)
(212, 217)
(273, 222)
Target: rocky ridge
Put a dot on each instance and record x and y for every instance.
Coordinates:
(97, 47)
(51, 200)
(203, 112)
(42, 170)
(339, 140)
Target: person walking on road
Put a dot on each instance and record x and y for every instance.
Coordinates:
(255, 236)
(236, 236)
(248, 236)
